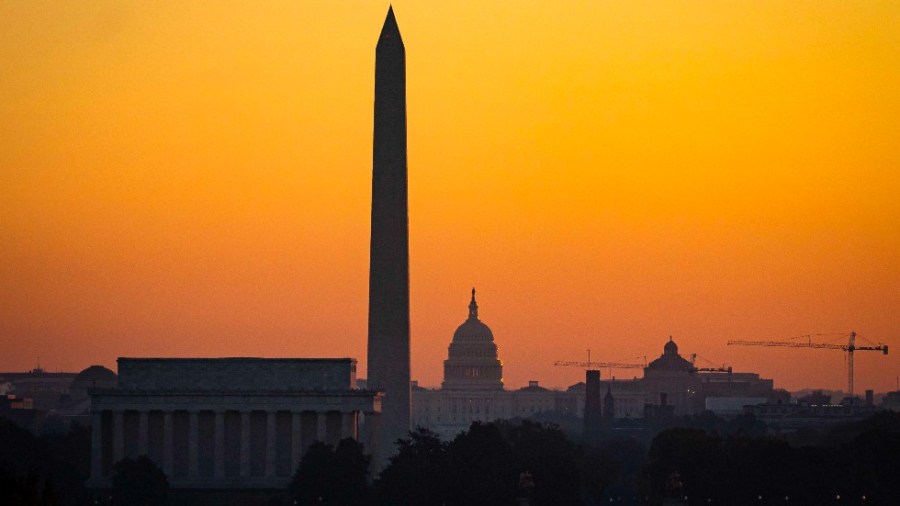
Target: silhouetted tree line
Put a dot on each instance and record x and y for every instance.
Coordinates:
(138, 482)
(856, 463)
(493, 464)
(46, 470)
(332, 476)
(707, 460)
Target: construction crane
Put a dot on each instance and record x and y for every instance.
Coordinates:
(851, 347)
(600, 365)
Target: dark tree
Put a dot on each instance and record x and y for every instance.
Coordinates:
(622, 458)
(597, 472)
(415, 476)
(482, 468)
(22, 461)
(139, 482)
(18, 490)
(695, 456)
(557, 465)
(67, 466)
(493, 464)
(860, 460)
(330, 476)
(872, 450)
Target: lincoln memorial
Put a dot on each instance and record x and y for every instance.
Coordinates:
(228, 423)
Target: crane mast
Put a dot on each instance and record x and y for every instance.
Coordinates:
(851, 347)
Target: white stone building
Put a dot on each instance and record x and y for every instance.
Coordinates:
(473, 388)
(228, 423)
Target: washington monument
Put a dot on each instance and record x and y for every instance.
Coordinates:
(388, 347)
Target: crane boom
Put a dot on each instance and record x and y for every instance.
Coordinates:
(599, 365)
(850, 348)
(791, 344)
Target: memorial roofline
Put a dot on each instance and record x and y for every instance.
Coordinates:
(235, 359)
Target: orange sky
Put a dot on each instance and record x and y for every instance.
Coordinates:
(193, 178)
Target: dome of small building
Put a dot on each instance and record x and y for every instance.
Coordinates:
(472, 359)
(95, 376)
(670, 360)
(670, 348)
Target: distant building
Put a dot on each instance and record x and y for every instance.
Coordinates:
(45, 389)
(787, 418)
(21, 412)
(671, 381)
(228, 423)
(473, 388)
(472, 359)
(593, 410)
(891, 401)
(53, 400)
(77, 402)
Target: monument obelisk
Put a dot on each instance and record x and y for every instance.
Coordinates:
(388, 347)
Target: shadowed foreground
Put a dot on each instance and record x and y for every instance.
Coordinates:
(508, 463)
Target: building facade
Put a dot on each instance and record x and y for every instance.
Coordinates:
(45, 389)
(473, 389)
(673, 382)
(51, 401)
(228, 423)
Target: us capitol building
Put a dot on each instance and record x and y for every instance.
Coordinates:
(473, 388)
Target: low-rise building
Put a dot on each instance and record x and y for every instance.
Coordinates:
(227, 423)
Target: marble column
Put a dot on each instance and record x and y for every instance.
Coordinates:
(168, 444)
(245, 444)
(296, 440)
(219, 449)
(372, 439)
(96, 445)
(320, 426)
(193, 444)
(348, 425)
(270, 443)
(118, 436)
(143, 433)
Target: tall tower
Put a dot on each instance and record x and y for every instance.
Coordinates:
(592, 411)
(388, 353)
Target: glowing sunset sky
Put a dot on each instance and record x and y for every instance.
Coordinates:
(193, 179)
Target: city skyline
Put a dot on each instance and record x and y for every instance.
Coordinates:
(606, 176)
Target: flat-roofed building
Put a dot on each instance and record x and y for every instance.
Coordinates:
(228, 423)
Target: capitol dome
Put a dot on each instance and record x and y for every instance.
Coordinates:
(473, 362)
(473, 329)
